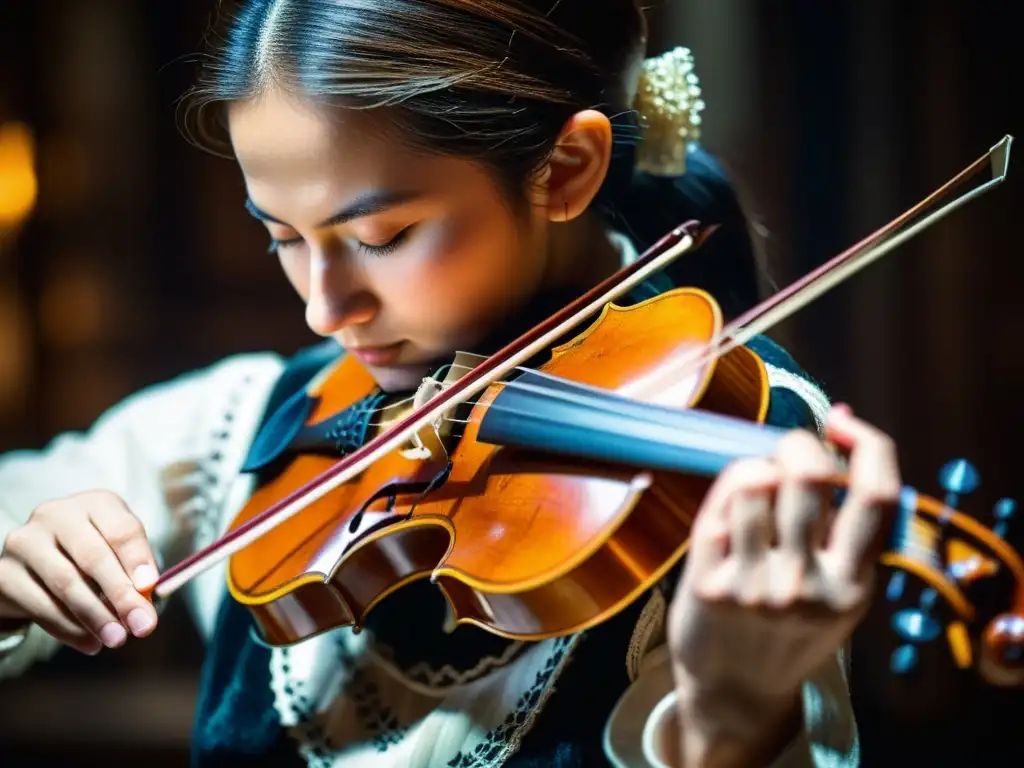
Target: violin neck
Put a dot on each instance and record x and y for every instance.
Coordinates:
(545, 413)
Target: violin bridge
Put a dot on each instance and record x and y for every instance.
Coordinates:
(425, 445)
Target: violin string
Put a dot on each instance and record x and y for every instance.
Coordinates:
(697, 439)
(710, 428)
(672, 369)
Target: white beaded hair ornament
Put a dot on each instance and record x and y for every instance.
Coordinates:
(669, 104)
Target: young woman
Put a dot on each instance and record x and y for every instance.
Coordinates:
(436, 175)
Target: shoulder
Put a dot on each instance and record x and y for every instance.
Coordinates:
(707, 185)
(796, 400)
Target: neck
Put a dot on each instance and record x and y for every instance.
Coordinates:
(581, 255)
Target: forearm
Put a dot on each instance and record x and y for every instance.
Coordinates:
(721, 729)
(823, 731)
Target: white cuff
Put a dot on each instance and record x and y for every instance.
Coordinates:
(9, 641)
(636, 730)
(658, 741)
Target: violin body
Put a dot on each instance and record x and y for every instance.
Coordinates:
(522, 545)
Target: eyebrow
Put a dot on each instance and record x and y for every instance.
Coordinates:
(366, 204)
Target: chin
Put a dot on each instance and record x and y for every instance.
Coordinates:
(398, 378)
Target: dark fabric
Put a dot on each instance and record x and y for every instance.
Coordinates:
(235, 722)
(725, 265)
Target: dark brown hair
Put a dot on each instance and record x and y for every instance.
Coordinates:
(489, 80)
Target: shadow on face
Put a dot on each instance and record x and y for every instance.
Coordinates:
(402, 256)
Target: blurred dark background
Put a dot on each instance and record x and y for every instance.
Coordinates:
(136, 261)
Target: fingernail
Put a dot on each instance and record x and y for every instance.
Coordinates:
(113, 635)
(140, 621)
(843, 408)
(144, 576)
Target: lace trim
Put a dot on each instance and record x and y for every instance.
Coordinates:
(431, 681)
(503, 741)
(297, 701)
(196, 491)
(816, 400)
(647, 634)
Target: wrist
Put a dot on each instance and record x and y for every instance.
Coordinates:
(727, 727)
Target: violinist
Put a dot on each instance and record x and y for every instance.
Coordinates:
(435, 176)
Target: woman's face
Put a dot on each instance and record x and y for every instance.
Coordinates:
(402, 257)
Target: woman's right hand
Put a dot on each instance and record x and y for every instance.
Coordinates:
(76, 568)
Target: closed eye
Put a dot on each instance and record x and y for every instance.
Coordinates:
(278, 245)
(373, 249)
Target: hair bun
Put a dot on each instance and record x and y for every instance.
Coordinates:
(668, 101)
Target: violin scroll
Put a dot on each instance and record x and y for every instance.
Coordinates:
(1002, 657)
(1002, 651)
(970, 566)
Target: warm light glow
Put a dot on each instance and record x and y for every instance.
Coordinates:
(72, 306)
(18, 183)
(15, 352)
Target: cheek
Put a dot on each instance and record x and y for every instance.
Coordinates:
(465, 274)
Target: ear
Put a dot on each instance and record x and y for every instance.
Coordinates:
(577, 168)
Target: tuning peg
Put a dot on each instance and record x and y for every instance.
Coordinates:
(957, 478)
(1003, 511)
(899, 537)
(915, 627)
(903, 659)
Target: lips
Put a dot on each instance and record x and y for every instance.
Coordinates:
(382, 355)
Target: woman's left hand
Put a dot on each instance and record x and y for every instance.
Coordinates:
(775, 582)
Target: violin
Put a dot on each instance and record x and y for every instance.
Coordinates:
(543, 500)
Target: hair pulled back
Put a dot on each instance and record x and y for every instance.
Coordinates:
(494, 81)
(490, 80)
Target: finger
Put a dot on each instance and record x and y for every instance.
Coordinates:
(67, 584)
(94, 557)
(750, 522)
(874, 488)
(750, 511)
(127, 538)
(804, 464)
(42, 608)
(710, 540)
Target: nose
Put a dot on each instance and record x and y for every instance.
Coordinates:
(337, 297)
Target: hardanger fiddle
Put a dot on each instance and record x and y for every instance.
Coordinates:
(542, 501)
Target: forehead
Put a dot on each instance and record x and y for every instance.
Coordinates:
(279, 130)
(301, 153)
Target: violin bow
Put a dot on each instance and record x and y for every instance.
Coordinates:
(784, 303)
(670, 247)
(667, 249)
